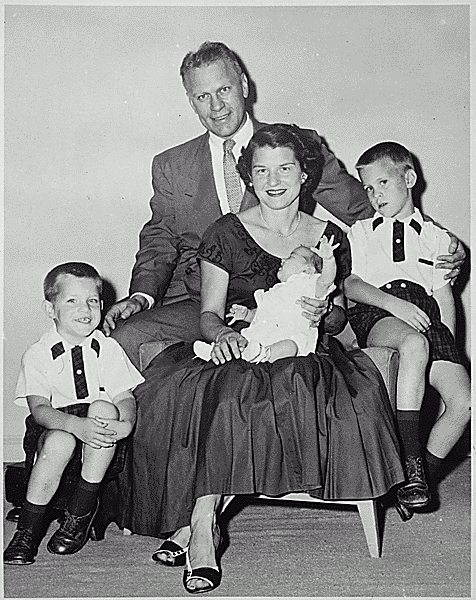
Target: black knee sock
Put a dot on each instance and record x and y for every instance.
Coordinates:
(84, 498)
(408, 427)
(433, 466)
(33, 517)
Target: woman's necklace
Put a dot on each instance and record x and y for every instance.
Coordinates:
(283, 235)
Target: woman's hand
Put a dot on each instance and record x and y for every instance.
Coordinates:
(228, 345)
(409, 313)
(314, 309)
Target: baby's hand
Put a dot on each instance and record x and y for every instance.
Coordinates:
(237, 313)
(325, 248)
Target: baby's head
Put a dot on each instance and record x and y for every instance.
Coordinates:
(301, 260)
(388, 175)
(73, 300)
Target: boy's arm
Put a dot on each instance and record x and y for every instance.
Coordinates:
(89, 430)
(444, 297)
(359, 290)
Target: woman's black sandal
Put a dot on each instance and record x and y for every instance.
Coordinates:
(173, 551)
(211, 575)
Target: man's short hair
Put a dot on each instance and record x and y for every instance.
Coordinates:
(52, 283)
(306, 149)
(397, 153)
(209, 52)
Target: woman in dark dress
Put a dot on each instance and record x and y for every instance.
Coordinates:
(320, 423)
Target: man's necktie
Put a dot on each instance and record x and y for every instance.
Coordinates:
(398, 242)
(78, 373)
(232, 177)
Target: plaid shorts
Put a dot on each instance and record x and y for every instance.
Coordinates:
(72, 471)
(363, 317)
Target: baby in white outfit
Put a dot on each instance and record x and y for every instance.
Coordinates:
(277, 327)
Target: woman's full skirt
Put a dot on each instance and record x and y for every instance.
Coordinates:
(321, 423)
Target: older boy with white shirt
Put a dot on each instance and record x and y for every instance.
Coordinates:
(405, 303)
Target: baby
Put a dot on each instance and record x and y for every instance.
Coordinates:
(277, 328)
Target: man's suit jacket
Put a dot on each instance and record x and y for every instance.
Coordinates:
(185, 203)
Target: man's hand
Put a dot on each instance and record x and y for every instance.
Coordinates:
(122, 310)
(453, 260)
(314, 309)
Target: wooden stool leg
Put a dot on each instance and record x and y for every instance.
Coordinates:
(369, 518)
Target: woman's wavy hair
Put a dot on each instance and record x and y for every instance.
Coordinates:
(306, 148)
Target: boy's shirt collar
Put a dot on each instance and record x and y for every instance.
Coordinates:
(415, 220)
(58, 345)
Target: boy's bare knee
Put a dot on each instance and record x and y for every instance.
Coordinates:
(103, 408)
(415, 346)
(57, 444)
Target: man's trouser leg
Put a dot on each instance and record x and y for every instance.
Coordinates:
(175, 322)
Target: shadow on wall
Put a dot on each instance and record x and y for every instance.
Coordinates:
(109, 296)
(463, 278)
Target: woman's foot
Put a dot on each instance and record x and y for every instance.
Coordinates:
(201, 579)
(203, 573)
(172, 552)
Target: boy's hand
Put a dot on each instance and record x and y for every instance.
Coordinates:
(93, 432)
(237, 313)
(325, 248)
(409, 313)
(120, 429)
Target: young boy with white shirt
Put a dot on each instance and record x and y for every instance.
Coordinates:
(78, 386)
(403, 302)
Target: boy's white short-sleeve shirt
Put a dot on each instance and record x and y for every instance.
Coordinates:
(107, 368)
(371, 242)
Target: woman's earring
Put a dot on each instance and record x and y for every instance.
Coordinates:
(250, 183)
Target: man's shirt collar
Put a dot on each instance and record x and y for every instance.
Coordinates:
(241, 137)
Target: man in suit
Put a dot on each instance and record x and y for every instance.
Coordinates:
(191, 190)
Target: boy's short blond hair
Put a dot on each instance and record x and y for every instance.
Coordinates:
(52, 283)
(398, 154)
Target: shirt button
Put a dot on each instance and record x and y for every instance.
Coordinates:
(388, 286)
(78, 372)
(398, 240)
(403, 285)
